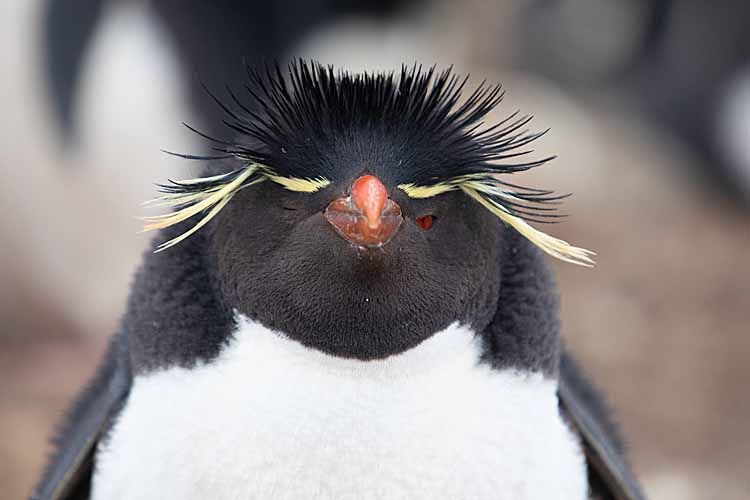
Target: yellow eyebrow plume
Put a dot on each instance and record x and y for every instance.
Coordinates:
(190, 197)
(299, 185)
(555, 247)
(414, 191)
(482, 187)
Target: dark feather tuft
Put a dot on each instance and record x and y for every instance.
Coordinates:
(299, 121)
(309, 126)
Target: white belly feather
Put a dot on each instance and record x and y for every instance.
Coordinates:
(270, 419)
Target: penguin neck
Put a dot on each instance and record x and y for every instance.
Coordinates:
(175, 315)
(524, 332)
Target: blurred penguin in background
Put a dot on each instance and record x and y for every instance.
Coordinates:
(684, 64)
(211, 41)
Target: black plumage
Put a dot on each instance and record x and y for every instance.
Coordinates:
(316, 127)
(271, 255)
(310, 114)
(298, 122)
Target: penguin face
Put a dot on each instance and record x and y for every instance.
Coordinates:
(283, 259)
(362, 213)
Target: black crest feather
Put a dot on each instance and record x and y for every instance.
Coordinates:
(310, 126)
(294, 122)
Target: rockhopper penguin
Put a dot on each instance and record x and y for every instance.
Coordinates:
(349, 304)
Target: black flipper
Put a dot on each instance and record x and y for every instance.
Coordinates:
(68, 475)
(609, 474)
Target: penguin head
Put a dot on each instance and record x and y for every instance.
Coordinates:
(364, 213)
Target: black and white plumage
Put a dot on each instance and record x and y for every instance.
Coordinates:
(328, 333)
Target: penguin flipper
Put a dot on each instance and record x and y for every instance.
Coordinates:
(68, 474)
(585, 409)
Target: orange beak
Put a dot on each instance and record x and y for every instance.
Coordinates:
(367, 217)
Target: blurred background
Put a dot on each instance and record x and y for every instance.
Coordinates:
(649, 106)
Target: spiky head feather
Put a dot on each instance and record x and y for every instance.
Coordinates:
(299, 122)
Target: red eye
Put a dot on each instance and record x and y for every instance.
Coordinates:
(425, 222)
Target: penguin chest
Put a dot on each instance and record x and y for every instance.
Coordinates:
(270, 419)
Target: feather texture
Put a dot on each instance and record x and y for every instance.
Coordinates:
(298, 125)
